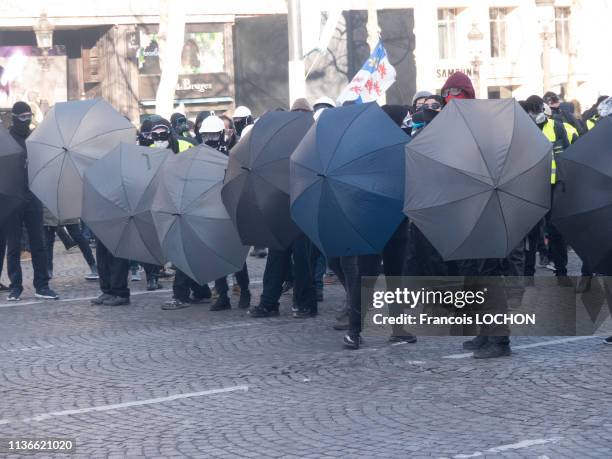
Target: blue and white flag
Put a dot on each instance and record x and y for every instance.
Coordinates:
(372, 81)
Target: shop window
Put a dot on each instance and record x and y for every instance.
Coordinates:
(447, 21)
(562, 35)
(497, 25)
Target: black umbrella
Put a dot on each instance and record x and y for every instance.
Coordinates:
(347, 180)
(118, 192)
(478, 178)
(12, 175)
(582, 204)
(256, 186)
(194, 229)
(71, 137)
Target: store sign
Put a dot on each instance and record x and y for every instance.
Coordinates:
(189, 86)
(444, 72)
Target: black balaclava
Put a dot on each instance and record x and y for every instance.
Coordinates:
(144, 136)
(213, 139)
(198, 124)
(21, 128)
(535, 109)
(241, 123)
(181, 128)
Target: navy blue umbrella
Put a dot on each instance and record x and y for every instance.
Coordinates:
(347, 180)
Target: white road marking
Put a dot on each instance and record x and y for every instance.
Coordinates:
(520, 445)
(31, 348)
(529, 346)
(13, 304)
(118, 406)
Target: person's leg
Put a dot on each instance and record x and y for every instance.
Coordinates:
(558, 248)
(120, 269)
(320, 267)
(49, 243)
(222, 302)
(33, 221)
(104, 267)
(181, 286)
(531, 248)
(75, 233)
(242, 278)
(275, 272)
(13, 231)
(66, 239)
(2, 250)
(304, 265)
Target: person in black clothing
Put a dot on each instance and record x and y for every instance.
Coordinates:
(29, 215)
(559, 112)
(3, 288)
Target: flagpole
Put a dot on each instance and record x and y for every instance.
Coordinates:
(374, 36)
(297, 80)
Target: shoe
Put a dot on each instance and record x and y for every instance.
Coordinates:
(261, 311)
(46, 293)
(50, 274)
(93, 274)
(174, 304)
(351, 341)
(14, 295)
(222, 303)
(564, 281)
(492, 351)
(245, 300)
(136, 277)
(199, 300)
(100, 299)
(608, 340)
(550, 266)
(72, 248)
(475, 343)
(304, 313)
(405, 338)
(3, 288)
(287, 287)
(116, 301)
(584, 284)
(319, 295)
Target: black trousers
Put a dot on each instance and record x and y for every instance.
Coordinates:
(29, 216)
(151, 271)
(278, 265)
(242, 277)
(62, 233)
(183, 285)
(531, 249)
(75, 235)
(113, 272)
(2, 249)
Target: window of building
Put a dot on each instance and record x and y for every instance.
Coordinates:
(562, 18)
(497, 24)
(499, 92)
(446, 32)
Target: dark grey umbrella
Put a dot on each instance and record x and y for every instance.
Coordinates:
(478, 178)
(582, 204)
(195, 230)
(256, 187)
(71, 137)
(118, 191)
(12, 175)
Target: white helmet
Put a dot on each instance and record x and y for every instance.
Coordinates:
(242, 112)
(605, 107)
(324, 100)
(212, 124)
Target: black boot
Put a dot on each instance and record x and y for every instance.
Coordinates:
(475, 343)
(262, 311)
(222, 303)
(245, 300)
(492, 351)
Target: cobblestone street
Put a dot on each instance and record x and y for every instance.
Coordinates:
(136, 381)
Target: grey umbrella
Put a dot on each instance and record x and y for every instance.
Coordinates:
(478, 178)
(118, 192)
(12, 175)
(71, 137)
(256, 187)
(195, 230)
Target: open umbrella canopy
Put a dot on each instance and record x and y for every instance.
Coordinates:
(118, 193)
(582, 204)
(256, 187)
(347, 180)
(12, 175)
(478, 178)
(71, 137)
(195, 230)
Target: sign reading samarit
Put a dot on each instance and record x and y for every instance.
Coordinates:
(445, 73)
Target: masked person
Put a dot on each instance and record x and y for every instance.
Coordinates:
(560, 113)
(198, 124)
(604, 108)
(458, 86)
(213, 133)
(278, 264)
(180, 126)
(29, 215)
(185, 291)
(418, 100)
(242, 118)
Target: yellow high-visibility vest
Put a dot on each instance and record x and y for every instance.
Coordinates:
(549, 131)
(572, 132)
(592, 122)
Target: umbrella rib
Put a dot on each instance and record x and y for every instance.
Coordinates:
(271, 138)
(342, 138)
(522, 199)
(123, 184)
(368, 154)
(477, 144)
(208, 246)
(510, 144)
(47, 163)
(463, 198)
(474, 227)
(96, 136)
(460, 171)
(80, 122)
(58, 128)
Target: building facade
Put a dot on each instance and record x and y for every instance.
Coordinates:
(236, 52)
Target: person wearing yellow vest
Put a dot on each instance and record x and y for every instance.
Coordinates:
(556, 133)
(603, 109)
